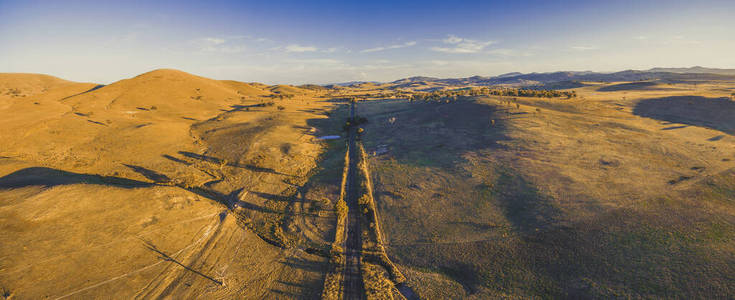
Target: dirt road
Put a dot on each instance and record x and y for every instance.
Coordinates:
(352, 285)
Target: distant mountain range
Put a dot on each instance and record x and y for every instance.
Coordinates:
(696, 69)
(349, 83)
(540, 79)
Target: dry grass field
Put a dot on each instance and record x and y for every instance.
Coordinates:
(162, 185)
(626, 191)
(171, 185)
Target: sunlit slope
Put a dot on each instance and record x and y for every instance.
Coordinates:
(28, 84)
(162, 185)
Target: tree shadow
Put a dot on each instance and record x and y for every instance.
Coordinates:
(150, 174)
(174, 159)
(215, 160)
(240, 108)
(166, 257)
(99, 86)
(47, 177)
(674, 127)
(98, 123)
(713, 113)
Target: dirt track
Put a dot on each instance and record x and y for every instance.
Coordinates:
(352, 285)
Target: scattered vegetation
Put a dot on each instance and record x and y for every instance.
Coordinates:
(14, 92)
(377, 285)
(372, 248)
(453, 95)
(332, 279)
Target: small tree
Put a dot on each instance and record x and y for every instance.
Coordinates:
(341, 207)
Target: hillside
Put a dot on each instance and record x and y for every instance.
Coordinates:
(173, 182)
(26, 84)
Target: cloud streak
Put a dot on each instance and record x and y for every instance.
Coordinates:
(219, 45)
(458, 45)
(299, 49)
(397, 46)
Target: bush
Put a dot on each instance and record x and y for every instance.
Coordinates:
(341, 207)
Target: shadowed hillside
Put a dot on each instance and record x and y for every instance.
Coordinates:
(715, 113)
(487, 198)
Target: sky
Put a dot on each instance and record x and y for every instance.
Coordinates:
(296, 42)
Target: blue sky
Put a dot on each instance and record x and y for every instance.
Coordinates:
(336, 41)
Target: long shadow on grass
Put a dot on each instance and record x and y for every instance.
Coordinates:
(437, 136)
(47, 177)
(633, 86)
(164, 256)
(215, 160)
(432, 134)
(527, 209)
(713, 113)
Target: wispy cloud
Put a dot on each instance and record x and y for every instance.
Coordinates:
(318, 61)
(214, 41)
(218, 44)
(299, 48)
(439, 62)
(453, 39)
(457, 44)
(584, 48)
(397, 46)
(503, 52)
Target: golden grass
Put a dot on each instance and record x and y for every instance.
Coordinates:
(94, 180)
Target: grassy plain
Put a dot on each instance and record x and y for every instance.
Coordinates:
(625, 191)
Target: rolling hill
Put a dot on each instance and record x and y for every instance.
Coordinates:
(173, 182)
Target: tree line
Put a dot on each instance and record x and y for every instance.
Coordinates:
(508, 92)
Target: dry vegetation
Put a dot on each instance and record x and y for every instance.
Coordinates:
(623, 192)
(174, 185)
(166, 184)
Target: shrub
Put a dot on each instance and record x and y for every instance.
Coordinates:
(341, 207)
